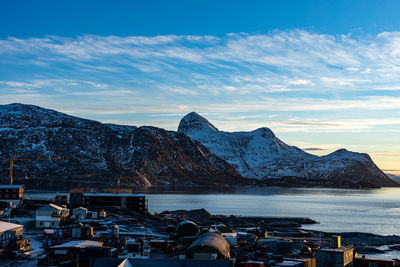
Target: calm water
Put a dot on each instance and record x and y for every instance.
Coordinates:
(337, 210)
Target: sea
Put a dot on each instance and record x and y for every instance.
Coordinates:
(336, 210)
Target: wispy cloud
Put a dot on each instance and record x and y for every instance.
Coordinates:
(386, 154)
(279, 72)
(314, 149)
(298, 83)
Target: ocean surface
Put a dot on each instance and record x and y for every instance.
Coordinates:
(337, 210)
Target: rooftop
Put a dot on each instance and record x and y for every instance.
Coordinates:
(81, 208)
(51, 206)
(10, 186)
(341, 249)
(214, 240)
(113, 194)
(5, 226)
(80, 244)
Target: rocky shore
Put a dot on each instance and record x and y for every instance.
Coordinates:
(288, 228)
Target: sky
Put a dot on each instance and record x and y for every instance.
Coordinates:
(322, 75)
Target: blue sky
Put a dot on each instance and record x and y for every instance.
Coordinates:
(321, 74)
(37, 18)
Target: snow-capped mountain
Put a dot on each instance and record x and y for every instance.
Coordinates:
(260, 154)
(97, 153)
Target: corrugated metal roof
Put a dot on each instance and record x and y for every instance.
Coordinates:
(5, 226)
(214, 240)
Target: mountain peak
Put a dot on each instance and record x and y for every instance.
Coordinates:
(193, 122)
(265, 132)
(344, 153)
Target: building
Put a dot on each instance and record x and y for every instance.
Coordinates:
(50, 216)
(335, 257)
(253, 264)
(61, 199)
(76, 197)
(187, 228)
(289, 263)
(120, 262)
(308, 262)
(9, 232)
(231, 238)
(80, 212)
(12, 237)
(76, 253)
(209, 246)
(130, 201)
(11, 192)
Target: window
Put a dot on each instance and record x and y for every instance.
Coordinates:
(54, 213)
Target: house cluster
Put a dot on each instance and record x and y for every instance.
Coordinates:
(115, 229)
(81, 236)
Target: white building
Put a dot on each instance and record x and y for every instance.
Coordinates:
(50, 216)
(80, 212)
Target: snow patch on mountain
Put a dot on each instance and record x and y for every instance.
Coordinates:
(260, 154)
(95, 152)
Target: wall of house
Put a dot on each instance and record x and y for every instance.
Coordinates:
(7, 236)
(45, 220)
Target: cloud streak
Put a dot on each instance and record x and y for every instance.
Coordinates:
(279, 72)
(314, 89)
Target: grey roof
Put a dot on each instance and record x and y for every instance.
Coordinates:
(51, 207)
(5, 226)
(80, 244)
(214, 240)
(81, 208)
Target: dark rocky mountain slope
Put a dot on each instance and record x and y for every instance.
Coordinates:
(97, 153)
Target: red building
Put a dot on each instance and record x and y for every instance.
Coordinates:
(11, 192)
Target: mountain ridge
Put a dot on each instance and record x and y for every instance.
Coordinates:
(197, 154)
(260, 154)
(97, 152)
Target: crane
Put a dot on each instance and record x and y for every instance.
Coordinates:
(17, 159)
(119, 181)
